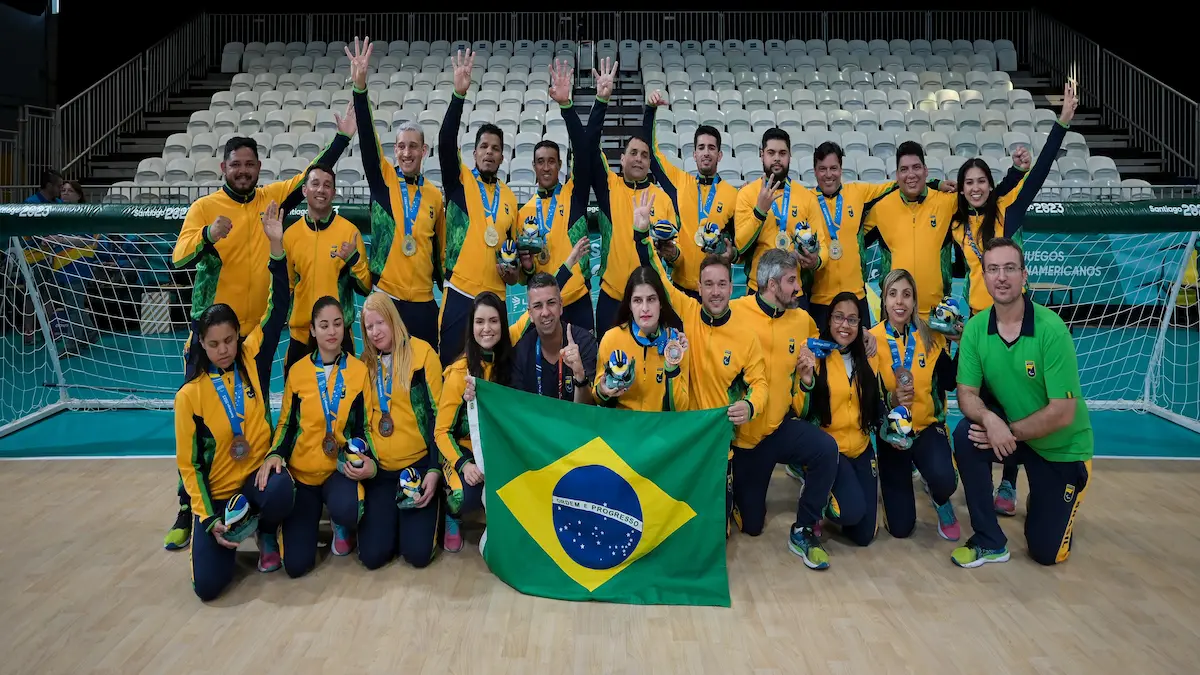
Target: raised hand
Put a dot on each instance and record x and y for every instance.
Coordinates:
(360, 61)
(656, 98)
(577, 253)
(806, 364)
(1070, 101)
(220, 228)
(948, 186)
(869, 343)
(1022, 159)
(570, 355)
(561, 82)
(347, 122)
(272, 221)
(347, 248)
(767, 194)
(642, 208)
(604, 78)
(463, 62)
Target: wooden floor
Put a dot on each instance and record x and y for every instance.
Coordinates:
(85, 587)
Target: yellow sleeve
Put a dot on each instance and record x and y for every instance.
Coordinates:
(682, 302)
(193, 237)
(362, 269)
(1006, 200)
(747, 221)
(518, 328)
(674, 174)
(189, 457)
(604, 351)
(449, 405)
(293, 277)
(755, 374)
(869, 192)
(678, 394)
(288, 426)
(875, 215)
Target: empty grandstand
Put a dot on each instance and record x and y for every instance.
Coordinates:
(961, 83)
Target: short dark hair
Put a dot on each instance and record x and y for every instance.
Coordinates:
(548, 144)
(710, 260)
(237, 143)
(776, 134)
(542, 280)
(706, 130)
(910, 149)
(826, 149)
(1004, 242)
(638, 137)
(489, 128)
(50, 177)
(325, 168)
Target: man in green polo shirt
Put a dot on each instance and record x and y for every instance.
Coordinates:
(1020, 358)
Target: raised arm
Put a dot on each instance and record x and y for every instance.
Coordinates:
(1014, 203)
(287, 192)
(198, 236)
(662, 166)
(265, 338)
(448, 157)
(374, 165)
(595, 128)
(682, 302)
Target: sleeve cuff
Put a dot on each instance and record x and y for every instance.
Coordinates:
(602, 100)
(356, 90)
(566, 106)
(1062, 124)
(459, 96)
(759, 214)
(751, 409)
(204, 234)
(280, 258)
(807, 388)
(209, 522)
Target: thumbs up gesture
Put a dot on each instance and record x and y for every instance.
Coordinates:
(570, 355)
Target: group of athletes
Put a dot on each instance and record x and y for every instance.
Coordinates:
(379, 437)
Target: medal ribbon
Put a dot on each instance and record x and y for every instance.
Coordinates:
(411, 211)
(782, 214)
(909, 347)
(537, 355)
(330, 405)
(384, 390)
(489, 210)
(659, 341)
(546, 222)
(235, 409)
(971, 241)
(833, 223)
(704, 207)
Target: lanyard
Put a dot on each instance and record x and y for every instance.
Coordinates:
(411, 211)
(704, 207)
(545, 222)
(834, 223)
(537, 355)
(235, 409)
(385, 391)
(781, 214)
(909, 347)
(658, 341)
(971, 241)
(489, 210)
(330, 405)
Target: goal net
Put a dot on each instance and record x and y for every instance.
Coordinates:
(1123, 276)
(94, 317)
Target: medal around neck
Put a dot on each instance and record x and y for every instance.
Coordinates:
(507, 255)
(898, 428)
(409, 248)
(806, 239)
(531, 239)
(329, 445)
(783, 242)
(663, 231)
(835, 249)
(239, 448)
(618, 371)
(386, 425)
(947, 317)
(491, 236)
(409, 490)
(673, 351)
(240, 522)
(821, 348)
(904, 377)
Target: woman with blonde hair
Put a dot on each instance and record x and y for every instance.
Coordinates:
(915, 372)
(406, 379)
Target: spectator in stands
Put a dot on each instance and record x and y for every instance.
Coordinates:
(51, 190)
(405, 265)
(72, 193)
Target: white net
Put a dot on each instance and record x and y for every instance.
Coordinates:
(1130, 301)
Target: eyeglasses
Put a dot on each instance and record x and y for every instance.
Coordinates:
(1009, 269)
(851, 320)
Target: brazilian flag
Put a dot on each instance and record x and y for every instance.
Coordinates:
(590, 503)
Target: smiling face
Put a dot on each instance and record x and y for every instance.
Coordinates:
(319, 189)
(829, 173)
(545, 309)
(899, 302)
(715, 289)
(911, 174)
(546, 165)
(976, 186)
(843, 322)
(410, 151)
(644, 305)
(1005, 274)
(707, 154)
(378, 331)
(241, 170)
(486, 327)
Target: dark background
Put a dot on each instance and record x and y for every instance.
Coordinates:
(95, 36)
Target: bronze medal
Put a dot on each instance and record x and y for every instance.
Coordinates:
(673, 353)
(386, 426)
(329, 445)
(904, 377)
(239, 449)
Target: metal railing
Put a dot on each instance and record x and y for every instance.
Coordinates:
(1158, 118)
(38, 142)
(10, 162)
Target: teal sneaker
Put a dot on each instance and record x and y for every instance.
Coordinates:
(948, 527)
(454, 540)
(804, 543)
(269, 559)
(1006, 499)
(343, 540)
(975, 556)
(180, 534)
(796, 471)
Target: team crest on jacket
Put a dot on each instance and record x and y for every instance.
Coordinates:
(720, 207)
(921, 359)
(658, 376)
(795, 211)
(248, 389)
(506, 209)
(791, 345)
(333, 252)
(1030, 369)
(431, 212)
(933, 221)
(728, 356)
(850, 211)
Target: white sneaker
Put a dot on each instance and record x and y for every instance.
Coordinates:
(482, 541)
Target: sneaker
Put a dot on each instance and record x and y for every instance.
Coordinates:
(805, 543)
(454, 540)
(343, 540)
(948, 528)
(974, 556)
(1006, 499)
(180, 534)
(796, 471)
(482, 542)
(269, 559)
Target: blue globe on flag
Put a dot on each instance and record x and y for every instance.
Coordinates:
(597, 517)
